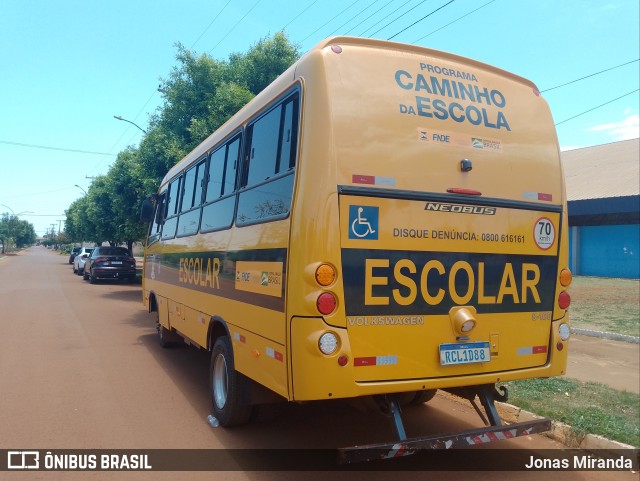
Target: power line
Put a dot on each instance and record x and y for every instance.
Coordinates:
(42, 215)
(297, 16)
(124, 132)
(35, 193)
(592, 75)
(398, 17)
(381, 8)
(209, 26)
(327, 23)
(20, 144)
(407, 28)
(594, 108)
(451, 23)
(234, 27)
(381, 20)
(351, 19)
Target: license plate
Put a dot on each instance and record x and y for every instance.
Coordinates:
(116, 263)
(464, 353)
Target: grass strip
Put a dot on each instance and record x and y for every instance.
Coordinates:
(609, 305)
(588, 407)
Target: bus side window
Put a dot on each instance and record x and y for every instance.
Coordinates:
(173, 205)
(264, 147)
(216, 174)
(267, 181)
(220, 201)
(231, 166)
(191, 200)
(156, 226)
(289, 136)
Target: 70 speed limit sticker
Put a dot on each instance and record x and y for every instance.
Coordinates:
(544, 233)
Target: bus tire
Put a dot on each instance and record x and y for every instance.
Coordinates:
(422, 397)
(165, 337)
(225, 386)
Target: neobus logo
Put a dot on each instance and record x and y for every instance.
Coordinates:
(460, 209)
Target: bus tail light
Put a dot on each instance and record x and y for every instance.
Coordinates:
(564, 300)
(565, 277)
(326, 303)
(325, 275)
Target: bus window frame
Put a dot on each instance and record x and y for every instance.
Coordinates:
(238, 134)
(180, 179)
(197, 203)
(294, 96)
(158, 218)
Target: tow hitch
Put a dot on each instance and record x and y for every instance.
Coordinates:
(495, 430)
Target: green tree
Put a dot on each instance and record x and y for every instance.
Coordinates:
(200, 94)
(263, 63)
(127, 188)
(98, 217)
(14, 230)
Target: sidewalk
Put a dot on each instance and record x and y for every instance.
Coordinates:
(597, 359)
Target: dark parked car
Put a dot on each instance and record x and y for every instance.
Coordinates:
(74, 253)
(107, 262)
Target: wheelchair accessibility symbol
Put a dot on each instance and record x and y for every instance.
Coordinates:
(363, 222)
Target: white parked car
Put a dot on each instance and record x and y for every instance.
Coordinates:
(79, 260)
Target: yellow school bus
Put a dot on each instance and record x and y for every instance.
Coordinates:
(382, 220)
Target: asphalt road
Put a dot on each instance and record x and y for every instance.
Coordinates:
(81, 368)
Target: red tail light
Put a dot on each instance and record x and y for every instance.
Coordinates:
(101, 259)
(564, 300)
(326, 303)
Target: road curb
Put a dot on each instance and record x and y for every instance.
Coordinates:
(605, 335)
(561, 432)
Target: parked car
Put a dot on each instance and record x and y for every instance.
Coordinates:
(106, 262)
(74, 253)
(79, 261)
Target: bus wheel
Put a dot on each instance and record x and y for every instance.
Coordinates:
(422, 397)
(225, 384)
(415, 398)
(165, 337)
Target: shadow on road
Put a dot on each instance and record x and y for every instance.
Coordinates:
(129, 295)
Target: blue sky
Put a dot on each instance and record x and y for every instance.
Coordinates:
(68, 67)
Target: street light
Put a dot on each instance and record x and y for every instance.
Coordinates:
(24, 212)
(119, 117)
(85, 192)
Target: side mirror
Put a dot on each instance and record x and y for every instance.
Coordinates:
(146, 212)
